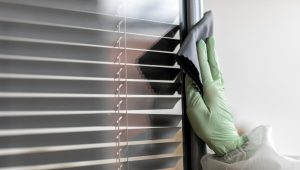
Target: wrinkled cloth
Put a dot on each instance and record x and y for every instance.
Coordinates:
(258, 153)
(187, 54)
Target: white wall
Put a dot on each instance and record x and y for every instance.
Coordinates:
(258, 42)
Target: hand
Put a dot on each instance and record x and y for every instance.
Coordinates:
(209, 113)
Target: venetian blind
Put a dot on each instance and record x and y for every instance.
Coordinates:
(89, 84)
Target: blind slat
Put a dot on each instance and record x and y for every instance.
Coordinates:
(84, 112)
(30, 58)
(85, 154)
(147, 120)
(86, 69)
(165, 12)
(135, 163)
(55, 77)
(134, 103)
(86, 87)
(75, 52)
(89, 137)
(76, 35)
(30, 150)
(61, 17)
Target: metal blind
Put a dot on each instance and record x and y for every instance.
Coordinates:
(89, 84)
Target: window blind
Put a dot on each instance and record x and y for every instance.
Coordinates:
(89, 84)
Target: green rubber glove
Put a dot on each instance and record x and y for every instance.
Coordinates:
(209, 113)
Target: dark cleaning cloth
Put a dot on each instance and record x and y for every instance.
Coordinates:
(187, 56)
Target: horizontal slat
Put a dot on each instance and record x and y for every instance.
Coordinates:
(32, 103)
(58, 60)
(77, 35)
(55, 77)
(86, 87)
(47, 59)
(92, 137)
(50, 16)
(135, 163)
(44, 149)
(20, 39)
(88, 96)
(158, 163)
(87, 120)
(84, 53)
(174, 111)
(86, 154)
(167, 11)
(86, 69)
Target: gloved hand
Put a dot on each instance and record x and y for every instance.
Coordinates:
(209, 113)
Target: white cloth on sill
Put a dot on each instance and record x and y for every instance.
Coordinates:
(258, 153)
